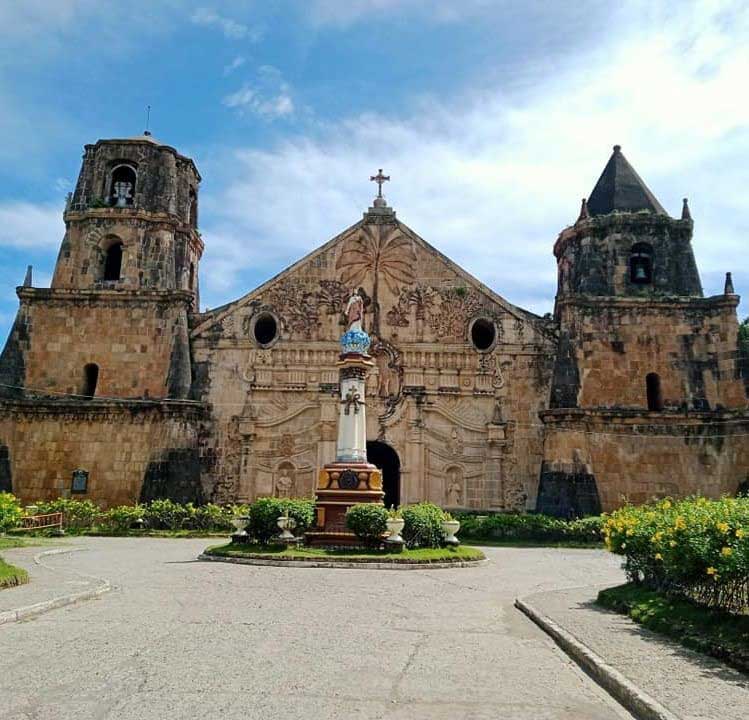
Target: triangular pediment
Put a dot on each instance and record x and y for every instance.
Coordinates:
(412, 291)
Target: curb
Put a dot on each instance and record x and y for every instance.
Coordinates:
(29, 611)
(343, 564)
(623, 690)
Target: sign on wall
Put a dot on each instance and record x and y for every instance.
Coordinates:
(80, 481)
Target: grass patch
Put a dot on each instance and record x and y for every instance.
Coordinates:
(8, 542)
(10, 575)
(418, 555)
(713, 632)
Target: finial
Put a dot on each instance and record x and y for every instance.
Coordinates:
(379, 179)
(617, 148)
(685, 214)
(148, 120)
(27, 279)
(584, 214)
(728, 289)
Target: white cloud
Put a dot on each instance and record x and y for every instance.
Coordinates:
(236, 63)
(491, 180)
(230, 28)
(31, 226)
(269, 96)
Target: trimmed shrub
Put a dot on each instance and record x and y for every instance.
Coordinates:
(696, 548)
(77, 515)
(212, 517)
(168, 515)
(10, 512)
(122, 518)
(530, 528)
(264, 514)
(423, 525)
(367, 521)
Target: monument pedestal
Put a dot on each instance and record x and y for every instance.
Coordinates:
(350, 479)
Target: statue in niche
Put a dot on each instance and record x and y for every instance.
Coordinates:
(454, 490)
(284, 482)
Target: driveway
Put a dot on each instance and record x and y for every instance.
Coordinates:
(178, 638)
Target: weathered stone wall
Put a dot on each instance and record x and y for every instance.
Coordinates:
(610, 345)
(636, 457)
(118, 443)
(463, 421)
(138, 340)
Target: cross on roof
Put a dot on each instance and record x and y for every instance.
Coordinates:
(379, 179)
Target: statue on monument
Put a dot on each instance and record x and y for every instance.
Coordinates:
(355, 313)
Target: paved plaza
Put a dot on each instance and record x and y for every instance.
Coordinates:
(178, 638)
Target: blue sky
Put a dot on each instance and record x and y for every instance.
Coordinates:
(493, 119)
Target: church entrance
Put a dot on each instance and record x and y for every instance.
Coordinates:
(387, 460)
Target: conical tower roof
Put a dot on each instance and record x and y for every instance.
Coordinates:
(621, 188)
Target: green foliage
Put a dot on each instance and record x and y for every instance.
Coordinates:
(744, 339)
(714, 632)
(167, 515)
(122, 518)
(10, 575)
(697, 548)
(367, 521)
(77, 515)
(10, 512)
(423, 525)
(530, 528)
(264, 514)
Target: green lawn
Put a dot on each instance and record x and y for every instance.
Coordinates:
(419, 555)
(712, 632)
(574, 544)
(10, 575)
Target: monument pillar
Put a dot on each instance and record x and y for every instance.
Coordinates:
(351, 479)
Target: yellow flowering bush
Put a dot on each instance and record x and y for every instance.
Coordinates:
(695, 547)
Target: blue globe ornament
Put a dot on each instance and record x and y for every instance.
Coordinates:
(355, 341)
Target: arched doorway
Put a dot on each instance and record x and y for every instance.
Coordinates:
(385, 458)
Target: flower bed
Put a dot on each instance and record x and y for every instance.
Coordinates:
(696, 548)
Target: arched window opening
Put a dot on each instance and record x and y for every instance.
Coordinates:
(483, 334)
(113, 262)
(655, 398)
(641, 264)
(191, 286)
(193, 208)
(122, 186)
(90, 380)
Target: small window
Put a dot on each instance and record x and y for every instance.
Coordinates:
(483, 334)
(113, 262)
(90, 380)
(655, 398)
(193, 210)
(641, 264)
(122, 186)
(265, 329)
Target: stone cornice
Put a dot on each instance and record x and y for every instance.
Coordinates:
(654, 302)
(96, 409)
(630, 418)
(117, 214)
(68, 296)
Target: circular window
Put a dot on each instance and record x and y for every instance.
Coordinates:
(483, 334)
(265, 329)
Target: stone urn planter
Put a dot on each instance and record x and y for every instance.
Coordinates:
(287, 524)
(449, 529)
(394, 529)
(240, 533)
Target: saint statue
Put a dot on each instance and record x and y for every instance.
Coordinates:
(284, 483)
(355, 313)
(454, 488)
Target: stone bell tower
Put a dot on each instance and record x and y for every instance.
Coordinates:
(644, 360)
(115, 321)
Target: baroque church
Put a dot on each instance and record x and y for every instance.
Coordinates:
(116, 388)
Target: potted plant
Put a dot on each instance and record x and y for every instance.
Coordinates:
(395, 524)
(450, 527)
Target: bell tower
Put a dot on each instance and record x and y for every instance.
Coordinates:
(114, 323)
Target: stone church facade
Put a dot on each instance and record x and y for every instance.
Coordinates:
(635, 387)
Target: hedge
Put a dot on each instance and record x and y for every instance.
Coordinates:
(423, 525)
(264, 514)
(530, 528)
(695, 548)
(10, 512)
(368, 521)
